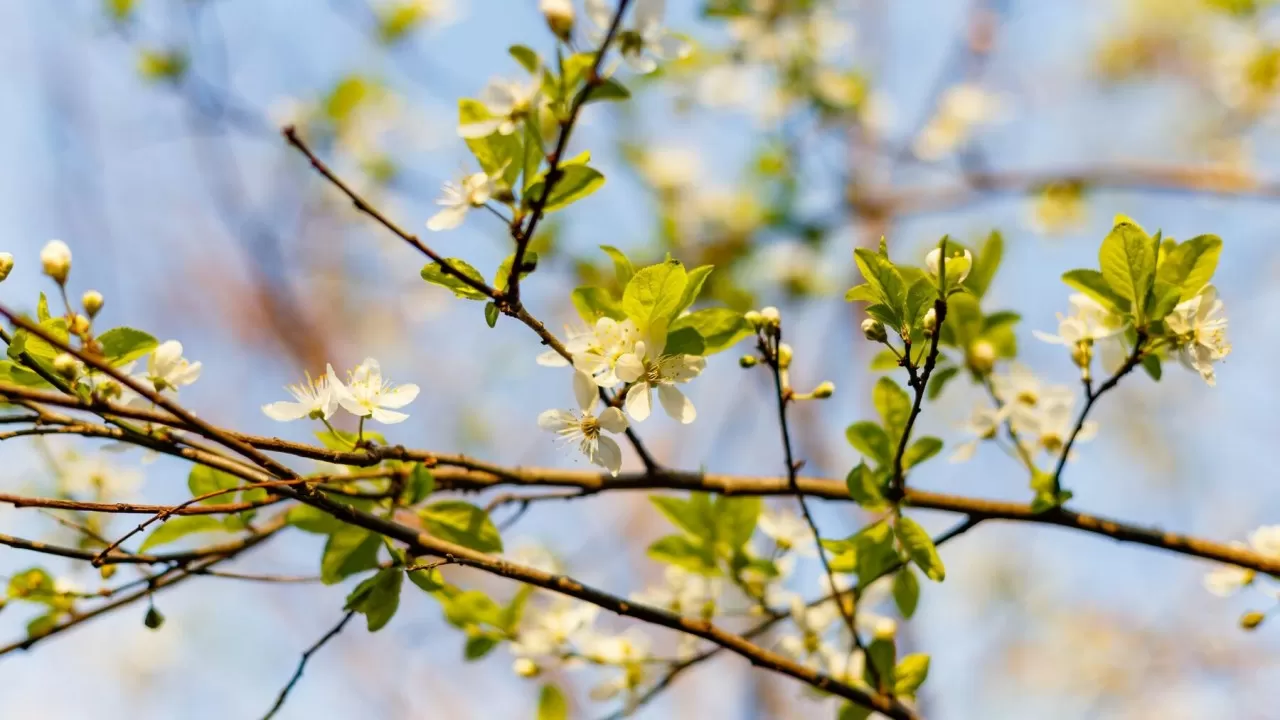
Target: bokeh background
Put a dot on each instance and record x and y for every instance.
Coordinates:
(185, 208)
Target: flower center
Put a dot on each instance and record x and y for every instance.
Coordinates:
(652, 374)
(1028, 397)
(1052, 442)
(590, 427)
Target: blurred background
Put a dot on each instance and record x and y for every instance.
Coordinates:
(144, 133)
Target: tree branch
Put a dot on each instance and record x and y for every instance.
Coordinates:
(302, 664)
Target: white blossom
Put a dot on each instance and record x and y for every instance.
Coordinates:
(55, 260)
(957, 266)
(1088, 323)
(646, 41)
(545, 633)
(811, 624)
(683, 592)
(167, 369)
(367, 394)
(509, 103)
(597, 353)
(789, 531)
(627, 651)
(648, 369)
(584, 427)
(314, 398)
(983, 423)
(961, 110)
(1200, 327)
(471, 191)
(93, 475)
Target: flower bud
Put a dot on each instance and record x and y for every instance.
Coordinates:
(92, 302)
(754, 318)
(771, 316)
(1082, 354)
(824, 390)
(747, 361)
(981, 357)
(885, 629)
(108, 571)
(526, 668)
(79, 324)
(153, 619)
(559, 16)
(784, 356)
(55, 258)
(958, 265)
(930, 322)
(6, 265)
(874, 330)
(1252, 619)
(66, 366)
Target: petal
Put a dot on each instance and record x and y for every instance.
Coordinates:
(479, 129)
(600, 13)
(1046, 337)
(551, 358)
(447, 219)
(629, 368)
(648, 13)
(399, 396)
(336, 386)
(186, 375)
(964, 453)
(353, 406)
(608, 455)
(676, 404)
(285, 411)
(613, 420)
(638, 402)
(389, 417)
(639, 62)
(557, 421)
(585, 390)
(671, 47)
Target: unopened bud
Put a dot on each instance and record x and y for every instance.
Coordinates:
(559, 16)
(874, 330)
(885, 629)
(1251, 619)
(66, 366)
(754, 318)
(92, 302)
(108, 390)
(55, 258)
(6, 265)
(107, 571)
(981, 357)
(526, 668)
(771, 316)
(79, 324)
(930, 322)
(153, 619)
(957, 267)
(784, 356)
(824, 390)
(747, 361)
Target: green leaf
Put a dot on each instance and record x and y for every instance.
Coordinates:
(865, 487)
(462, 523)
(377, 598)
(593, 303)
(527, 58)
(575, 183)
(203, 480)
(495, 153)
(920, 547)
(939, 380)
(874, 550)
(346, 441)
(552, 704)
(893, 404)
(696, 278)
(910, 674)
(491, 314)
(503, 275)
(37, 347)
(906, 591)
(622, 267)
(1128, 261)
(986, 261)
(736, 519)
(884, 279)
(849, 711)
(478, 646)
(42, 309)
(921, 450)
(178, 527)
(435, 274)
(880, 655)
(1161, 301)
(920, 297)
(18, 375)
(35, 584)
(964, 321)
(865, 292)
(683, 551)
(718, 328)
(420, 485)
(871, 440)
(428, 580)
(123, 344)
(1151, 363)
(350, 550)
(1091, 283)
(1190, 265)
(608, 90)
(694, 515)
(885, 360)
(653, 296)
(470, 608)
(313, 520)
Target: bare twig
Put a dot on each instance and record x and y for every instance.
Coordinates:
(302, 664)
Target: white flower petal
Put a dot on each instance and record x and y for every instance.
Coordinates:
(608, 455)
(551, 358)
(585, 391)
(447, 219)
(676, 404)
(638, 402)
(389, 417)
(285, 411)
(629, 368)
(399, 396)
(612, 420)
(557, 421)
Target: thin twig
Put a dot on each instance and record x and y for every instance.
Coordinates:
(302, 664)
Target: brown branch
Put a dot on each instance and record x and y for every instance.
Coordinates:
(118, 558)
(291, 135)
(22, 501)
